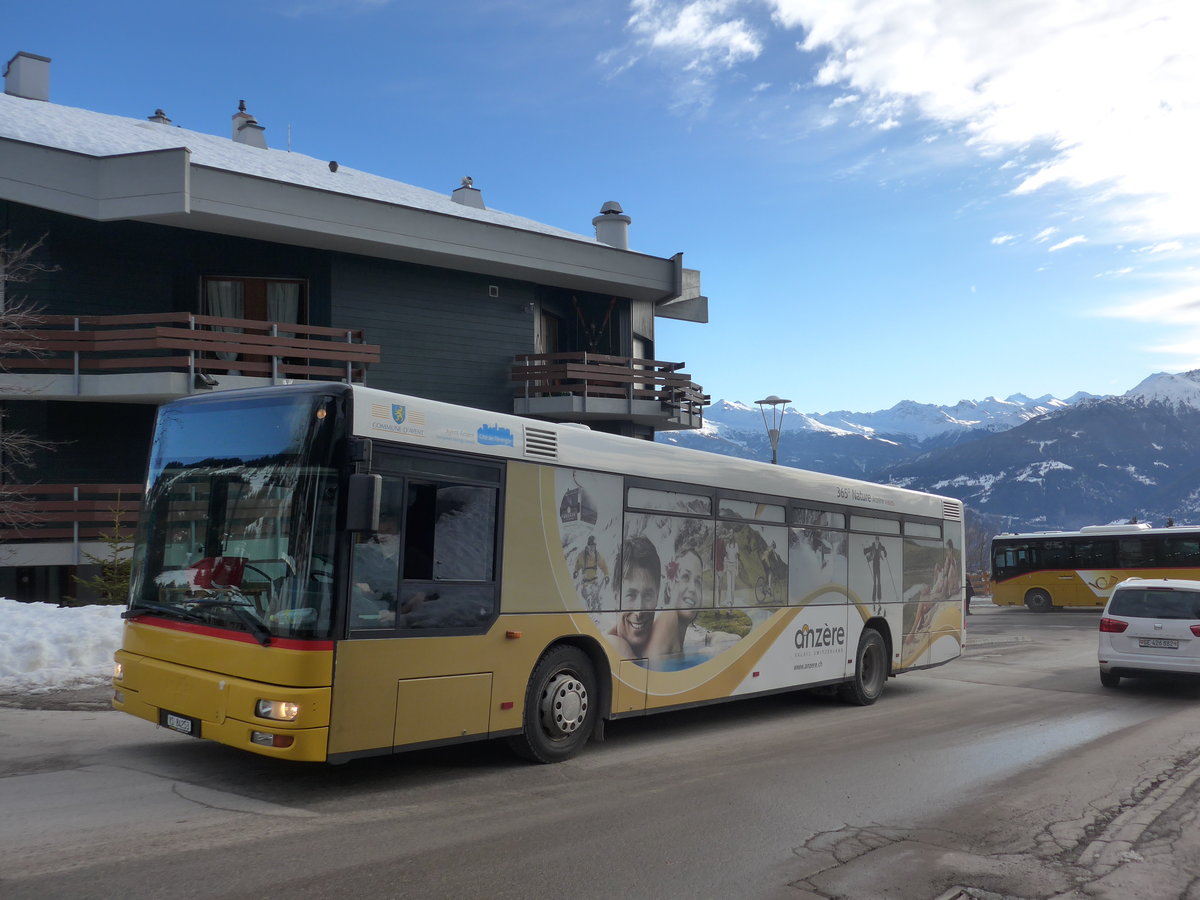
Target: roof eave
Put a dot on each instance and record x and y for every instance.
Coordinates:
(165, 187)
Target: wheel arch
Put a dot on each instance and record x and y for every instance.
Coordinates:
(880, 624)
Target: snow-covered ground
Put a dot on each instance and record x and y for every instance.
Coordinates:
(44, 647)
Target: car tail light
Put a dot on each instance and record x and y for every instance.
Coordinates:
(1113, 626)
(1196, 630)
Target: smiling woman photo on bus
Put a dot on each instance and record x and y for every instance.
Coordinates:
(683, 595)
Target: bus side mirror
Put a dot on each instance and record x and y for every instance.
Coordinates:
(362, 503)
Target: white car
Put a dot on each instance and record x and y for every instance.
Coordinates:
(1150, 627)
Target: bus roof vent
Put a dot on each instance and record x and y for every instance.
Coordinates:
(952, 511)
(541, 443)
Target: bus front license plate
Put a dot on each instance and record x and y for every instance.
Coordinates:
(1166, 643)
(182, 724)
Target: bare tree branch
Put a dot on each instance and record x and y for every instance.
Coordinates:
(19, 319)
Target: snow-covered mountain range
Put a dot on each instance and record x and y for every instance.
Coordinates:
(1182, 390)
(907, 421)
(1025, 463)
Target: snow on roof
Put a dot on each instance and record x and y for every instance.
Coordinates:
(100, 134)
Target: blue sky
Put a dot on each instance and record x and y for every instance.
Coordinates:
(928, 200)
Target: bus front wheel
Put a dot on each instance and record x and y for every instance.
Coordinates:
(1039, 601)
(870, 670)
(560, 707)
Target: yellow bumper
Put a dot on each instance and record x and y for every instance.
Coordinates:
(223, 707)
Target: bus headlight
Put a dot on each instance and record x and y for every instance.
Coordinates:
(279, 710)
(118, 671)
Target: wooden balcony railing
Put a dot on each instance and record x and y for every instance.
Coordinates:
(67, 512)
(195, 344)
(610, 377)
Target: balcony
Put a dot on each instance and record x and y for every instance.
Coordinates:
(591, 387)
(157, 357)
(58, 524)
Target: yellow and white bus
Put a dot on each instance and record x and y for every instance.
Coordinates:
(324, 572)
(1046, 569)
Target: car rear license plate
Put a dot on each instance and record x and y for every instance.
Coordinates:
(1165, 643)
(183, 724)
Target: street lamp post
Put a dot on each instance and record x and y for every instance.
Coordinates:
(776, 420)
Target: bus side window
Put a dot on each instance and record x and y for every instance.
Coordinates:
(464, 533)
(1096, 554)
(1180, 552)
(1133, 553)
(419, 523)
(449, 556)
(1056, 555)
(449, 532)
(376, 564)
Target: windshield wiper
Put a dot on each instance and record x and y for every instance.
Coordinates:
(163, 609)
(241, 609)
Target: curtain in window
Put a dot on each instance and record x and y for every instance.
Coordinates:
(283, 302)
(226, 299)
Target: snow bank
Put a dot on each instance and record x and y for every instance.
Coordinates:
(44, 647)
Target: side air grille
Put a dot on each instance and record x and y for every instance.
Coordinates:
(952, 511)
(541, 443)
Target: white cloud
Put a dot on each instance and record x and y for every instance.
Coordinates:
(1069, 242)
(1092, 106)
(704, 33)
(1176, 307)
(1108, 89)
(1098, 98)
(1164, 247)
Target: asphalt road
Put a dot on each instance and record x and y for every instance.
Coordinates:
(1008, 773)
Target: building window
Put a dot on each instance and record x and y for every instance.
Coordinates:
(264, 299)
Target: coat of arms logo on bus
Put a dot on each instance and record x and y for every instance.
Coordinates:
(399, 413)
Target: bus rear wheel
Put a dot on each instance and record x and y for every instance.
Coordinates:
(560, 709)
(1039, 601)
(870, 670)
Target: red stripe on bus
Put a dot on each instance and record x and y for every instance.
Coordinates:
(209, 631)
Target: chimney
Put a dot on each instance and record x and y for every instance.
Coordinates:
(467, 194)
(28, 76)
(160, 117)
(612, 226)
(246, 129)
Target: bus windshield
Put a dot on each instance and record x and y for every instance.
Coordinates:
(238, 524)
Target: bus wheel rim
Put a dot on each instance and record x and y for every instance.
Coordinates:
(564, 705)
